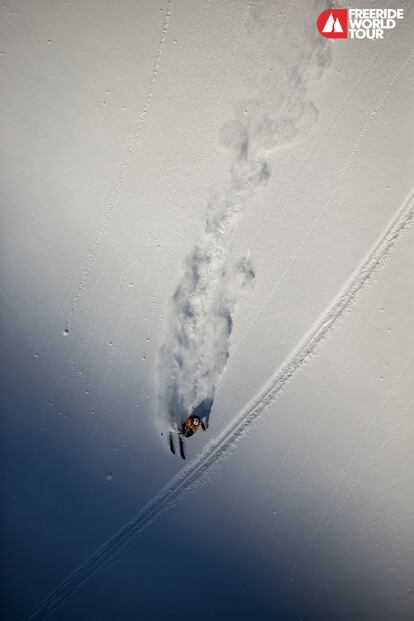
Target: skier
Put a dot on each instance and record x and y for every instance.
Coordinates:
(198, 419)
(191, 425)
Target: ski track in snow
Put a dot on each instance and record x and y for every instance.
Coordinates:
(198, 470)
(111, 206)
(327, 204)
(128, 267)
(112, 203)
(338, 382)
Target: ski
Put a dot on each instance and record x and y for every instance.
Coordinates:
(172, 446)
(182, 451)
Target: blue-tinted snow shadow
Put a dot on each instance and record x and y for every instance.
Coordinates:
(71, 476)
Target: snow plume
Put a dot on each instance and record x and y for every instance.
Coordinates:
(202, 311)
(203, 306)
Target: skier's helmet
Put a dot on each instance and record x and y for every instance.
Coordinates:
(193, 422)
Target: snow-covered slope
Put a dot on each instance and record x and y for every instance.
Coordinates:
(206, 200)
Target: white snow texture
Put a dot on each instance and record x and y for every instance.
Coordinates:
(197, 342)
(208, 206)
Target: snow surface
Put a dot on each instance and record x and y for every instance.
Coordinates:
(206, 200)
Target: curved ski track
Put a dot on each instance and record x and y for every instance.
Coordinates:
(194, 474)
